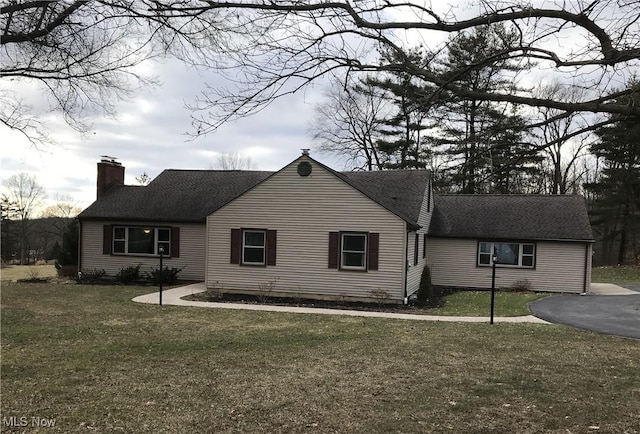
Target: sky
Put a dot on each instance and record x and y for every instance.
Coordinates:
(149, 135)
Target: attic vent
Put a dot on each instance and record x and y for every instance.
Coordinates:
(304, 168)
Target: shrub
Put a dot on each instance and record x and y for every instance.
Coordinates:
(425, 290)
(265, 289)
(166, 275)
(67, 254)
(128, 275)
(70, 271)
(520, 286)
(380, 295)
(90, 275)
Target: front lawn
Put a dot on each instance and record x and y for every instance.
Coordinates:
(478, 303)
(94, 361)
(15, 272)
(622, 275)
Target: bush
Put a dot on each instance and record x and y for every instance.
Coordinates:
(425, 290)
(128, 275)
(67, 254)
(91, 275)
(380, 296)
(520, 286)
(166, 276)
(70, 271)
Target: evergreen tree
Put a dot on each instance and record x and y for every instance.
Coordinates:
(484, 140)
(616, 206)
(67, 253)
(401, 140)
(9, 211)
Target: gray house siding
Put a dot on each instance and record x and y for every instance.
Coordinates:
(304, 211)
(191, 259)
(559, 266)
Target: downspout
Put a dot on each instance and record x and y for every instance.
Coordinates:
(405, 299)
(586, 270)
(79, 244)
(206, 250)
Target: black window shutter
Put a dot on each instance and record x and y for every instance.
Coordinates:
(175, 242)
(236, 243)
(415, 249)
(374, 251)
(271, 246)
(107, 239)
(424, 245)
(334, 249)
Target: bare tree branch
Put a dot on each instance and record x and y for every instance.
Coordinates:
(85, 52)
(284, 45)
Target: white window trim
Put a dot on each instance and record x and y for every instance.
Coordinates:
(263, 247)
(126, 241)
(343, 251)
(498, 264)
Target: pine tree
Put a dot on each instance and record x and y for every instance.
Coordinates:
(401, 139)
(616, 207)
(483, 139)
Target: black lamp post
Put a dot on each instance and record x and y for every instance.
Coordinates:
(161, 251)
(494, 260)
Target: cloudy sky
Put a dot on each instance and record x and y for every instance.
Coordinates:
(148, 135)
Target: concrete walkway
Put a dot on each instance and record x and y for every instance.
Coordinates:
(610, 289)
(174, 297)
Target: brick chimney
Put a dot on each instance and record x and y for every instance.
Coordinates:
(110, 173)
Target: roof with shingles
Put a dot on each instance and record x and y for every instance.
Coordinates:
(174, 195)
(400, 191)
(524, 217)
(192, 195)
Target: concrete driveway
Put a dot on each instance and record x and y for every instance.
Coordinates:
(609, 309)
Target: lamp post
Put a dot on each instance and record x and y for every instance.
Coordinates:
(161, 251)
(494, 260)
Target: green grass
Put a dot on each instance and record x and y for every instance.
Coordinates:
(97, 362)
(619, 275)
(15, 272)
(478, 303)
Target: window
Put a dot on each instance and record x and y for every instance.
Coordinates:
(416, 246)
(138, 240)
(253, 247)
(358, 251)
(508, 254)
(484, 254)
(353, 251)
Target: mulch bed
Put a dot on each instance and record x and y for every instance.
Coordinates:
(411, 308)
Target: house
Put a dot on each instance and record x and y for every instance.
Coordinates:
(542, 242)
(310, 231)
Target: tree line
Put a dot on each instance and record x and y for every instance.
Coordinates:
(31, 233)
(388, 120)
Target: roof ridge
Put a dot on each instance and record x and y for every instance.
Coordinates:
(384, 171)
(507, 194)
(219, 170)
